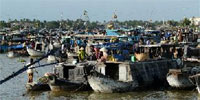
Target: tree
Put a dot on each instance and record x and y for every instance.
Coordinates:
(185, 22)
(172, 23)
(3, 24)
(52, 24)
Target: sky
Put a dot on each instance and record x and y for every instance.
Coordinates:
(99, 10)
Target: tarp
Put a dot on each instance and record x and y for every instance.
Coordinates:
(112, 33)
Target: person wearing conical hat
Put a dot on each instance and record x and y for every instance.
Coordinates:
(105, 54)
(81, 54)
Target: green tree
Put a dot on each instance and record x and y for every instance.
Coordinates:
(185, 22)
(3, 24)
(52, 24)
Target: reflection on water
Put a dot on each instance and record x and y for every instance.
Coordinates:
(15, 88)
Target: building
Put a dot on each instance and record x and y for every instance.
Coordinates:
(195, 21)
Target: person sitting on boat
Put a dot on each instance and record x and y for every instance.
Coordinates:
(89, 50)
(30, 72)
(81, 54)
(105, 54)
(97, 52)
(141, 41)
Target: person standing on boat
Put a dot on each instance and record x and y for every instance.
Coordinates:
(105, 54)
(81, 54)
(30, 72)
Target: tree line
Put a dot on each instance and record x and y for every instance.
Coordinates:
(81, 24)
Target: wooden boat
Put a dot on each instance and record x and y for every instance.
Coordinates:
(111, 77)
(179, 79)
(57, 84)
(195, 78)
(35, 53)
(12, 54)
(37, 86)
(70, 77)
(101, 83)
(40, 85)
(38, 51)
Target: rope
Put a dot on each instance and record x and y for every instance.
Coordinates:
(80, 87)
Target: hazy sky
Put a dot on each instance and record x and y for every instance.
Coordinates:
(99, 9)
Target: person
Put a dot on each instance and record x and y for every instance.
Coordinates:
(105, 54)
(97, 52)
(81, 54)
(141, 41)
(89, 51)
(30, 72)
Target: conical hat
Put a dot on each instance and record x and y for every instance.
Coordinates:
(103, 49)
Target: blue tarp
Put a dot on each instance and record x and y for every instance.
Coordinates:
(20, 46)
(111, 33)
(5, 47)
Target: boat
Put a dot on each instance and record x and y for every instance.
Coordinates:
(177, 78)
(35, 53)
(40, 85)
(114, 76)
(37, 87)
(101, 83)
(70, 77)
(57, 84)
(195, 78)
(12, 54)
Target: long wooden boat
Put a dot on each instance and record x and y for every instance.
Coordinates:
(57, 84)
(70, 77)
(124, 76)
(40, 85)
(35, 53)
(12, 54)
(101, 83)
(37, 87)
(179, 79)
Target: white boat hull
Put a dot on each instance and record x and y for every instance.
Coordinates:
(179, 81)
(11, 54)
(108, 85)
(35, 53)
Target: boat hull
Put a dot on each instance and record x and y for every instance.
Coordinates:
(179, 81)
(11, 54)
(35, 53)
(68, 86)
(65, 85)
(100, 83)
(37, 87)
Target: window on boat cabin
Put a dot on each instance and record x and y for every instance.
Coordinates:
(112, 70)
(39, 47)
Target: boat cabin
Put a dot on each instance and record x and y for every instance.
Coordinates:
(72, 72)
(38, 46)
(119, 71)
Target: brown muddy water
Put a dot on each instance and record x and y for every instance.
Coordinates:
(14, 89)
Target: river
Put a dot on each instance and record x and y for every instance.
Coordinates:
(14, 89)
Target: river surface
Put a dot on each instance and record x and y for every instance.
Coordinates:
(14, 89)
